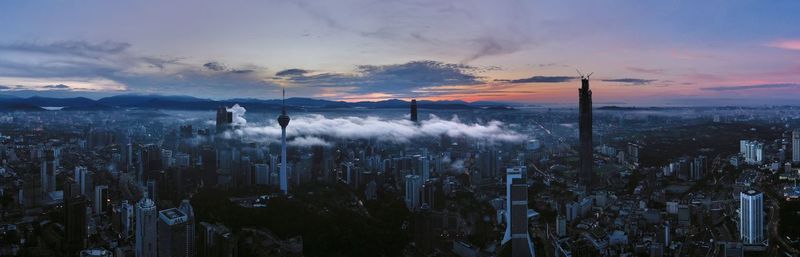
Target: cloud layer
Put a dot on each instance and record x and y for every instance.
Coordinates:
(631, 81)
(398, 80)
(112, 67)
(76, 65)
(749, 87)
(543, 79)
(786, 44)
(312, 129)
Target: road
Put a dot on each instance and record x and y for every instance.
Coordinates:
(774, 220)
(560, 139)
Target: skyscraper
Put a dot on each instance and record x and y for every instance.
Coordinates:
(347, 170)
(224, 119)
(150, 161)
(244, 176)
(796, 146)
(521, 243)
(413, 184)
(74, 217)
(428, 194)
(283, 120)
(414, 110)
(273, 170)
(633, 152)
(129, 156)
(488, 163)
(152, 189)
(186, 208)
(512, 174)
(751, 217)
(561, 226)
(262, 174)
(83, 177)
(101, 199)
(698, 168)
(425, 168)
(216, 240)
(172, 241)
(146, 218)
(127, 215)
(209, 158)
(48, 171)
(585, 128)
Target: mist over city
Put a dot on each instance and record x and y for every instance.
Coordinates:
(293, 128)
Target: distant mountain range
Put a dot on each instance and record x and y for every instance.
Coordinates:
(12, 103)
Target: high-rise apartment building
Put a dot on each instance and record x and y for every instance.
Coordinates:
(751, 216)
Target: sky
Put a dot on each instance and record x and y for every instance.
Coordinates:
(640, 52)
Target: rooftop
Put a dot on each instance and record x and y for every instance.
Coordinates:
(172, 216)
(751, 192)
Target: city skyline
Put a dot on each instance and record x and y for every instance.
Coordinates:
(465, 128)
(490, 181)
(642, 53)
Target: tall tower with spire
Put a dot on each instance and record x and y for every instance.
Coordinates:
(283, 120)
(585, 128)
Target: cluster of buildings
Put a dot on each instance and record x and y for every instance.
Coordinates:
(752, 151)
(629, 155)
(123, 187)
(687, 168)
(88, 191)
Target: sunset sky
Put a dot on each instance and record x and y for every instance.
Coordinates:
(641, 52)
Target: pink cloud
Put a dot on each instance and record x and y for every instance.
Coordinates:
(792, 44)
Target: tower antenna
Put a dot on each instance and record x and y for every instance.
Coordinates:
(283, 102)
(584, 76)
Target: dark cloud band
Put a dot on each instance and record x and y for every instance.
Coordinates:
(748, 87)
